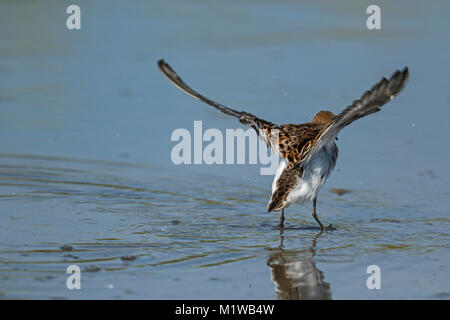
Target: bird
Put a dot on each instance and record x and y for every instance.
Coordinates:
(307, 151)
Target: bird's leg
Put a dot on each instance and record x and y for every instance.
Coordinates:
(315, 215)
(281, 237)
(330, 227)
(282, 219)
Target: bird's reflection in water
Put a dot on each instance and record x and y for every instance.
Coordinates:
(295, 275)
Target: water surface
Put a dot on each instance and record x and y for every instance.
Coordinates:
(86, 176)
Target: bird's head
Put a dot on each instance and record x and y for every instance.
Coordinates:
(323, 117)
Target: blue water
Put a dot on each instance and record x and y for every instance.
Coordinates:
(86, 176)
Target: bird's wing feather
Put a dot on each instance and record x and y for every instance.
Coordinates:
(370, 102)
(262, 127)
(298, 147)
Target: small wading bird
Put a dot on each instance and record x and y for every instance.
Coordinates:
(308, 151)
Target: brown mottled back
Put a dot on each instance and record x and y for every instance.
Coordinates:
(295, 140)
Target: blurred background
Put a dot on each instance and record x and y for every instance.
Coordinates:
(86, 176)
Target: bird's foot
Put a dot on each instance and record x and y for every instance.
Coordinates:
(330, 227)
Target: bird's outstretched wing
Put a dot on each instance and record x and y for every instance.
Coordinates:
(262, 127)
(370, 102)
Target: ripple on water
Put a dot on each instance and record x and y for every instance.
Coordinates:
(134, 224)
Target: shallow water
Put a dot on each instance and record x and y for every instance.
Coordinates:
(85, 171)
